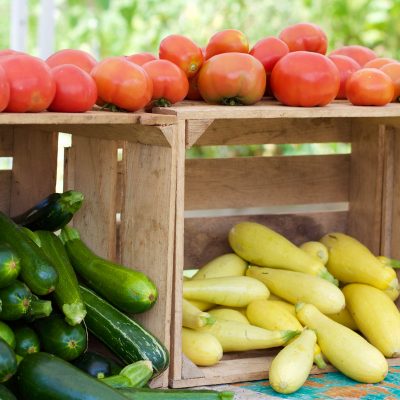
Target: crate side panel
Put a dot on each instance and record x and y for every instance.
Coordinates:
(5, 184)
(6, 141)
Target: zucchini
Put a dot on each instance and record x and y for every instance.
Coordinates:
(38, 309)
(10, 265)
(126, 338)
(128, 290)
(6, 394)
(7, 334)
(27, 341)
(8, 361)
(36, 270)
(16, 300)
(174, 394)
(51, 213)
(67, 294)
(61, 339)
(96, 365)
(43, 376)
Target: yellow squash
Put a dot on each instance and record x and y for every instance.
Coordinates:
(226, 265)
(345, 349)
(237, 336)
(291, 367)
(351, 262)
(201, 348)
(201, 305)
(229, 314)
(262, 246)
(392, 293)
(232, 291)
(298, 287)
(192, 317)
(376, 315)
(344, 317)
(316, 250)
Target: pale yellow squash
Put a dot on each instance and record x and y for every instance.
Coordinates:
(229, 314)
(344, 317)
(202, 305)
(192, 317)
(316, 250)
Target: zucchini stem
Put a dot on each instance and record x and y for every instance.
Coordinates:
(39, 309)
(74, 313)
(68, 234)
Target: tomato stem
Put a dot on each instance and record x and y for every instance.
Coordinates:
(112, 107)
(162, 102)
(231, 101)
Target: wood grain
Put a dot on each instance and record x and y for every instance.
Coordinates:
(6, 141)
(5, 192)
(264, 181)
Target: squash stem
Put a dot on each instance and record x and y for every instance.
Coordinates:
(72, 201)
(39, 309)
(74, 313)
(68, 234)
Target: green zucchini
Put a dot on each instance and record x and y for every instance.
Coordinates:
(7, 334)
(67, 294)
(6, 394)
(51, 213)
(38, 309)
(61, 339)
(16, 300)
(125, 337)
(36, 270)
(8, 362)
(10, 265)
(128, 290)
(97, 365)
(174, 394)
(43, 376)
(27, 341)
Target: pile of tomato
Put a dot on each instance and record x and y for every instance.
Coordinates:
(293, 68)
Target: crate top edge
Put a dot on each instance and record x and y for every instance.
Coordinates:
(270, 109)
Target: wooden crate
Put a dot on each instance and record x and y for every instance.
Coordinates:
(138, 188)
(302, 197)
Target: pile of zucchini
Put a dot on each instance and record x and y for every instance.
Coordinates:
(53, 290)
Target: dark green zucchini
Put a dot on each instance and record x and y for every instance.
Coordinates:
(43, 376)
(6, 394)
(97, 365)
(38, 309)
(67, 293)
(36, 270)
(61, 339)
(174, 394)
(10, 265)
(8, 362)
(52, 213)
(128, 290)
(7, 334)
(16, 300)
(26, 341)
(126, 338)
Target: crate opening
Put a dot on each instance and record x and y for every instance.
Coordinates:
(6, 163)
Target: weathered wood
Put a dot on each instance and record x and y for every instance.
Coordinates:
(264, 181)
(6, 141)
(34, 167)
(366, 176)
(69, 169)
(5, 192)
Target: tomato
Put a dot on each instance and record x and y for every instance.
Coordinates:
(379, 62)
(305, 36)
(227, 41)
(9, 52)
(232, 79)
(369, 87)
(393, 71)
(170, 83)
(4, 90)
(346, 67)
(76, 90)
(32, 88)
(141, 58)
(193, 93)
(183, 52)
(305, 79)
(122, 83)
(361, 54)
(80, 58)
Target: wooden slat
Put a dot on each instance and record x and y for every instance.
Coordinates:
(148, 226)
(69, 169)
(263, 181)
(6, 141)
(5, 192)
(367, 170)
(95, 175)
(266, 130)
(207, 238)
(34, 167)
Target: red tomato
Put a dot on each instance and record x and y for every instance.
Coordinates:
(4, 90)
(305, 36)
(346, 67)
(122, 83)
(183, 52)
(32, 88)
(369, 87)
(9, 52)
(141, 58)
(76, 90)
(227, 41)
(360, 54)
(170, 83)
(80, 58)
(393, 71)
(193, 93)
(379, 62)
(305, 79)
(232, 79)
